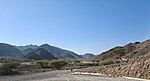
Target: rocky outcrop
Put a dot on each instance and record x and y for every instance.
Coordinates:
(139, 68)
(132, 50)
(135, 61)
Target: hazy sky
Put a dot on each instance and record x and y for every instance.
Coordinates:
(78, 25)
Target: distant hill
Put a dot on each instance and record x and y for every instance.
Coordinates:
(22, 48)
(26, 51)
(132, 50)
(39, 54)
(7, 50)
(87, 55)
(59, 53)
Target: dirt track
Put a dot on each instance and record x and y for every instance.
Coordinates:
(59, 76)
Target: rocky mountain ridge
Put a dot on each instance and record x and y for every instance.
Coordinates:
(132, 50)
(7, 50)
(58, 52)
(39, 54)
(135, 63)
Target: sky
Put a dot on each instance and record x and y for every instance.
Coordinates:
(82, 26)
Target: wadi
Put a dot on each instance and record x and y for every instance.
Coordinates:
(74, 40)
(50, 63)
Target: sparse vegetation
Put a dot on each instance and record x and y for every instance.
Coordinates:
(107, 62)
(43, 64)
(9, 65)
(8, 68)
(4, 60)
(119, 53)
(58, 64)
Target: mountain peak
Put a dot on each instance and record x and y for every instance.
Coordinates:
(87, 55)
(45, 44)
(58, 52)
(40, 54)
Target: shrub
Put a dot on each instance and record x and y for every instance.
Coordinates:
(58, 64)
(43, 64)
(4, 60)
(8, 68)
(9, 65)
(108, 62)
(119, 53)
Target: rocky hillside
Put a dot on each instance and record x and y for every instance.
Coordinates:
(132, 50)
(39, 54)
(59, 53)
(136, 61)
(138, 68)
(7, 50)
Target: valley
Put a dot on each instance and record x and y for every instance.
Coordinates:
(74, 40)
(60, 75)
(49, 63)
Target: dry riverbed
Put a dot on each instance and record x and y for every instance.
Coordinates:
(60, 75)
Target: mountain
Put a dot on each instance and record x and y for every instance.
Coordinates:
(135, 61)
(39, 54)
(7, 50)
(26, 51)
(137, 68)
(132, 50)
(87, 55)
(22, 48)
(59, 53)
(21, 51)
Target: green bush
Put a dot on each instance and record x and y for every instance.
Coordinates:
(9, 65)
(43, 64)
(107, 62)
(8, 68)
(4, 60)
(119, 53)
(58, 64)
